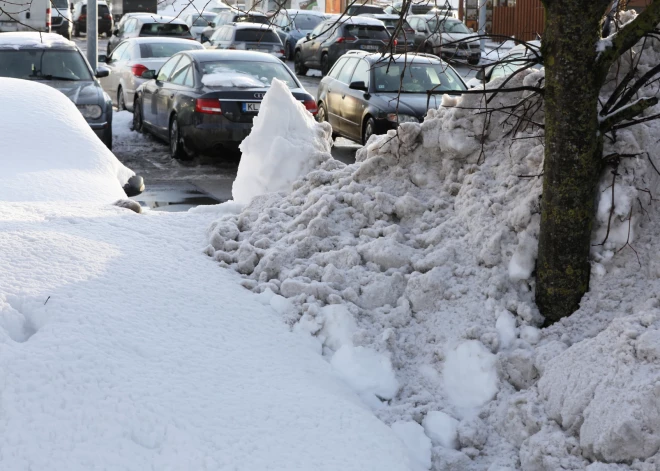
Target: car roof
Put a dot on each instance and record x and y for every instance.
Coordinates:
(206, 55)
(158, 39)
(249, 13)
(293, 12)
(381, 16)
(161, 19)
(359, 20)
(248, 25)
(34, 40)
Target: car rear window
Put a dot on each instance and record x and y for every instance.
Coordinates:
(264, 20)
(367, 32)
(165, 29)
(421, 9)
(162, 50)
(304, 22)
(102, 10)
(245, 74)
(256, 35)
(358, 10)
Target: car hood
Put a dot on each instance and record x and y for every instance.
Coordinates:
(81, 93)
(409, 103)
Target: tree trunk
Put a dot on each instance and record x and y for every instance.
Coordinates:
(573, 154)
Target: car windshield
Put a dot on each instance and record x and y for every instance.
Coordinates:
(447, 26)
(367, 32)
(60, 4)
(165, 29)
(306, 22)
(417, 78)
(162, 50)
(43, 64)
(264, 20)
(203, 20)
(245, 74)
(257, 35)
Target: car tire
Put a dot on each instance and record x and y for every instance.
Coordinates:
(121, 104)
(138, 123)
(368, 130)
(325, 65)
(107, 137)
(287, 51)
(299, 65)
(177, 150)
(322, 116)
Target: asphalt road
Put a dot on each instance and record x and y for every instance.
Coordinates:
(176, 186)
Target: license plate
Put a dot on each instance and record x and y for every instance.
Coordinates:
(370, 48)
(251, 107)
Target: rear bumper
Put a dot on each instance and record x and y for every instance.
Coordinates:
(104, 26)
(211, 131)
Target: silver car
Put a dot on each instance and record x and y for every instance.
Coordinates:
(131, 58)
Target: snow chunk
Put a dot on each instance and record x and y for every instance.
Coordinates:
(338, 326)
(442, 429)
(506, 329)
(417, 443)
(368, 372)
(470, 376)
(232, 79)
(285, 143)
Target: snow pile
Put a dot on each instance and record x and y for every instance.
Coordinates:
(50, 153)
(232, 79)
(284, 144)
(429, 242)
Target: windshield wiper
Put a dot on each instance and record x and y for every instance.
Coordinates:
(52, 77)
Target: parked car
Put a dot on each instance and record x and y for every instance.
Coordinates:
(60, 21)
(445, 37)
(34, 15)
(124, 7)
(405, 40)
(423, 7)
(247, 37)
(354, 9)
(218, 7)
(321, 48)
(148, 25)
(202, 100)
(53, 60)
(79, 18)
(134, 56)
(518, 57)
(233, 16)
(292, 25)
(198, 22)
(367, 94)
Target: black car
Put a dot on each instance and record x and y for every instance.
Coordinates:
(54, 61)
(249, 37)
(353, 10)
(367, 94)
(405, 40)
(331, 39)
(105, 21)
(203, 100)
(233, 16)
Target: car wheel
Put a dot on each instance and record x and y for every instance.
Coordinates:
(369, 129)
(176, 142)
(121, 104)
(107, 137)
(325, 65)
(138, 124)
(299, 65)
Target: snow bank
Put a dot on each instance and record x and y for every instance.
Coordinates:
(429, 241)
(284, 144)
(49, 152)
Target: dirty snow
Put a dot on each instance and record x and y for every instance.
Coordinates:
(430, 245)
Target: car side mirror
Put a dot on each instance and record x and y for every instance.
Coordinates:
(308, 36)
(71, 7)
(358, 86)
(101, 72)
(102, 58)
(148, 74)
(212, 24)
(134, 186)
(203, 39)
(115, 31)
(481, 75)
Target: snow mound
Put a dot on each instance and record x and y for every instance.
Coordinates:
(50, 153)
(417, 443)
(285, 143)
(232, 79)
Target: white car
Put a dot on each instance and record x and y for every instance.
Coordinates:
(131, 58)
(198, 22)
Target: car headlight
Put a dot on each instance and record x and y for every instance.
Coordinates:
(90, 111)
(401, 118)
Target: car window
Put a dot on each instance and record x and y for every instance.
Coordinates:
(501, 70)
(189, 81)
(257, 35)
(203, 20)
(245, 74)
(367, 32)
(306, 22)
(361, 73)
(129, 27)
(126, 55)
(43, 64)
(346, 71)
(162, 50)
(179, 75)
(116, 54)
(264, 20)
(336, 69)
(318, 30)
(167, 68)
(217, 36)
(165, 29)
(415, 78)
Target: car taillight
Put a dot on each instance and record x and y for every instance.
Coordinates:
(282, 51)
(48, 18)
(139, 69)
(208, 106)
(395, 42)
(82, 17)
(107, 16)
(346, 39)
(310, 105)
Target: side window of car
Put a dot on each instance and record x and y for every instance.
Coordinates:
(336, 69)
(319, 29)
(500, 71)
(117, 53)
(179, 74)
(167, 69)
(189, 81)
(346, 71)
(361, 73)
(130, 26)
(126, 55)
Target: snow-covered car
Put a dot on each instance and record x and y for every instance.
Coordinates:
(247, 37)
(516, 58)
(132, 58)
(446, 37)
(198, 22)
(55, 61)
(200, 101)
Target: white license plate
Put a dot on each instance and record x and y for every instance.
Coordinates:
(251, 107)
(370, 48)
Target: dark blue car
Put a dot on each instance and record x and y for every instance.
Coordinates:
(292, 25)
